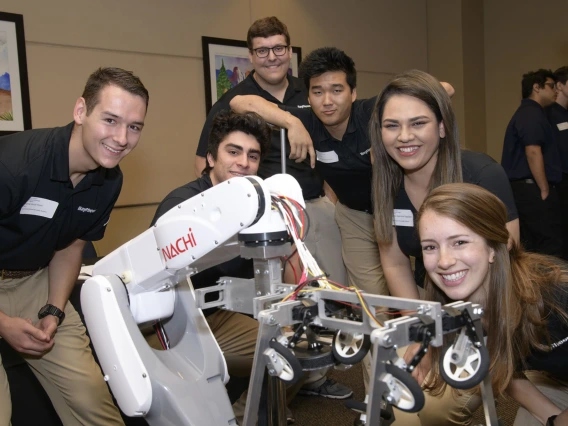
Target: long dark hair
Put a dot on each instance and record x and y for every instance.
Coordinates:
(387, 174)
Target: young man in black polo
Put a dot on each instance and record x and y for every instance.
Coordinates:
(532, 161)
(236, 145)
(338, 126)
(558, 117)
(58, 187)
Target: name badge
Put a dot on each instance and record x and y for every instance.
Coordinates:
(37, 206)
(403, 218)
(562, 126)
(327, 157)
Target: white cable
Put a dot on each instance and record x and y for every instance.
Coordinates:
(306, 257)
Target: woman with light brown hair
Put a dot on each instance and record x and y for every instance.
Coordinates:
(464, 241)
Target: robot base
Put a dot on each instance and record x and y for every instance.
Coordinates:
(180, 386)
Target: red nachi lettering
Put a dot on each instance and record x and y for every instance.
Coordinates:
(179, 246)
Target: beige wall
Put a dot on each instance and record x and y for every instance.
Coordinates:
(445, 50)
(520, 36)
(161, 42)
(456, 54)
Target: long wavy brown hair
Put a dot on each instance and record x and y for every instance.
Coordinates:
(387, 174)
(523, 289)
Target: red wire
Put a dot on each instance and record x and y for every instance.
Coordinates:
(156, 329)
(294, 271)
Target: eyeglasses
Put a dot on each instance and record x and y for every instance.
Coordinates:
(263, 52)
(551, 85)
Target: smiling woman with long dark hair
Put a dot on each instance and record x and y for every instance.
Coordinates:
(415, 146)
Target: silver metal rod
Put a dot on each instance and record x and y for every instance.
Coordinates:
(283, 149)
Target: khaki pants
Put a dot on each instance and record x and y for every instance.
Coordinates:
(68, 372)
(361, 258)
(360, 250)
(450, 410)
(324, 240)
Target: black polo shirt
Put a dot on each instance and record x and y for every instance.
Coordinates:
(237, 267)
(346, 164)
(40, 211)
(478, 169)
(558, 118)
(295, 96)
(529, 126)
(554, 360)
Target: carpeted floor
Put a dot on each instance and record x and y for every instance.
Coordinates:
(317, 411)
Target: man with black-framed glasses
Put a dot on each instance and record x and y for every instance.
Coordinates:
(270, 53)
(532, 161)
(278, 50)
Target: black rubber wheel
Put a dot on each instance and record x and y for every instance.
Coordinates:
(470, 374)
(412, 396)
(352, 352)
(292, 369)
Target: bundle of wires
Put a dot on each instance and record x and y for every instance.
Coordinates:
(313, 278)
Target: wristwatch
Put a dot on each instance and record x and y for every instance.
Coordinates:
(51, 310)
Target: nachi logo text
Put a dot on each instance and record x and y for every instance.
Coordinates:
(179, 246)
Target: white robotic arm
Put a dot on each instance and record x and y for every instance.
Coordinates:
(135, 284)
(197, 234)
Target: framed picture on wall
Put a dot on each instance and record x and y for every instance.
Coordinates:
(226, 63)
(15, 113)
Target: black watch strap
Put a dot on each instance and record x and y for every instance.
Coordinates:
(51, 310)
(550, 421)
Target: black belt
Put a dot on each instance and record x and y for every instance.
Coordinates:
(532, 181)
(7, 274)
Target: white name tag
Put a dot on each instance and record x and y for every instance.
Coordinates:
(327, 157)
(37, 206)
(562, 126)
(403, 218)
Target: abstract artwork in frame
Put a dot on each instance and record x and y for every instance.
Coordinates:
(15, 113)
(226, 63)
